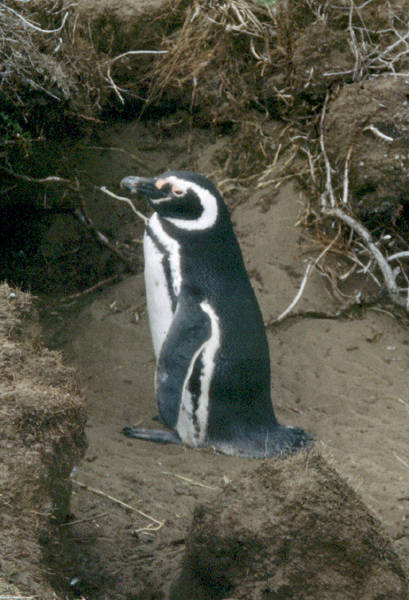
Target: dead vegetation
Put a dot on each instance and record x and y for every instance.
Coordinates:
(215, 63)
(217, 60)
(47, 74)
(333, 71)
(59, 60)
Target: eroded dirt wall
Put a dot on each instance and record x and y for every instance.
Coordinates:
(42, 420)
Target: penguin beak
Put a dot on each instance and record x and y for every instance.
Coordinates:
(144, 186)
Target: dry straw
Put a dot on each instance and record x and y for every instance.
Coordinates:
(31, 37)
(216, 56)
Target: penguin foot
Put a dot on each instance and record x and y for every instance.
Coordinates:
(153, 435)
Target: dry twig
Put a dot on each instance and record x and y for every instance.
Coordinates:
(401, 460)
(158, 524)
(395, 293)
(126, 200)
(191, 481)
(308, 270)
(329, 192)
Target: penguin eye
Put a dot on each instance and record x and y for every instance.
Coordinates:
(177, 191)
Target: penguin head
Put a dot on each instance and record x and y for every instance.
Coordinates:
(187, 200)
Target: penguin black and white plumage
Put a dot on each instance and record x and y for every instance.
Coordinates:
(213, 376)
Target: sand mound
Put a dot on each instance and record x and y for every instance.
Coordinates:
(289, 529)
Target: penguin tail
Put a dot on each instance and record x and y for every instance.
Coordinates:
(289, 440)
(278, 441)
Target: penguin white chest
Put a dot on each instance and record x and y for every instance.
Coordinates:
(162, 279)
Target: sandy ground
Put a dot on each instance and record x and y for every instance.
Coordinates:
(343, 380)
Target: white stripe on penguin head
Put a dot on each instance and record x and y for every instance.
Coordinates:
(209, 203)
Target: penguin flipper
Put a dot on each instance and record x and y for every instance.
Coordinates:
(190, 330)
(160, 436)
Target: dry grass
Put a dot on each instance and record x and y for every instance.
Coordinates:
(44, 67)
(215, 61)
(31, 35)
(226, 55)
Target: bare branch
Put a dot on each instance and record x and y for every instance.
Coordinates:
(388, 274)
(30, 24)
(329, 192)
(124, 199)
(51, 179)
(378, 133)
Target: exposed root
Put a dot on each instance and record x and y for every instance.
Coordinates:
(370, 257)
(397, 294)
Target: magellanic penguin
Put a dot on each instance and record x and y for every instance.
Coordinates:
(213, 368)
